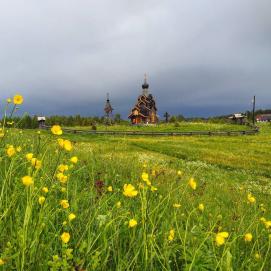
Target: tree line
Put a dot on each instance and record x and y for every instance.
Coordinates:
(27, 121)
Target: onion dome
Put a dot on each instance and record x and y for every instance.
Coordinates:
(145, 85)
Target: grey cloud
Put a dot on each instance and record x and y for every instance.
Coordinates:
(203, 57)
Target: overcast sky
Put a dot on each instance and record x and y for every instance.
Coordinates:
(202, 57)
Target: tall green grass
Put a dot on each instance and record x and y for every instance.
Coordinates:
(178, 226)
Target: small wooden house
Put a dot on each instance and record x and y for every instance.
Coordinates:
(238, 118)
(41, 121)
(263, 118)
(144, 111)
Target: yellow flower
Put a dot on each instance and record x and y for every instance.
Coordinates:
(27, 180)
(61, 177)
(177, 205)
(56, 130)
(18, 99)
(201, 207)
(267, 224)
(64, 204)
(41, 200)
(179, 173)
(62, 167)
(153, 188)
(45, 189)
(248, 237)
(192, 183)
(65, 237)
(2, 262)
(145, 177)
(9, 100)
(129, 191)
(60, 142)
(74, 159)
(171, 235)
(262, 219)
(118, 204)
(132, 223)
(36, 163)
(29, 156)
(10, 151)
(19, 149)
(257, 256)
(67, 145)
(250, 198)
(220, 238)
(71, 216)
(109, 188)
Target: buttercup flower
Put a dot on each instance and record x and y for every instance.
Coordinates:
(29, 156)
(9, 100)
(60, 142)
(179, 173)
(74, 159)
(62, 167)
(118, 204)
(145, 177)
(267, 224)
(171, 235)
(36, 163)
(64, 204)
(71, 216)
(132, 223)
(177, 205)
(27, 180)
(129, 191)
(221, 238)
(61, 177)
(109, 188)
(67, 145)
(18, 99)
(257, 256)
(250, 198)
(10, 151)
(2, 262)
(201, 207)
(65, 237)
(56, 130)
(192, 183)
(248, 237)
(45, 189)
(41, 200)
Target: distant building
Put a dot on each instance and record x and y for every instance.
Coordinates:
(41, 121)
(263, 118)
(144, 111)
(238, 118)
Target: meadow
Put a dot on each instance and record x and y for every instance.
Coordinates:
(89, 202)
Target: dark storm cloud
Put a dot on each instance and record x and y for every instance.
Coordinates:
(203, 57)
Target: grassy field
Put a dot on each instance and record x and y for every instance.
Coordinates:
(198, 203)
(171, 127)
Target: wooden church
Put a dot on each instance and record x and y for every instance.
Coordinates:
(144, 111)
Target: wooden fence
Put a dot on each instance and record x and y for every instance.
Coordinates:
(252, 131)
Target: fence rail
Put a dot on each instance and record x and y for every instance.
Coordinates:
(253, 131)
